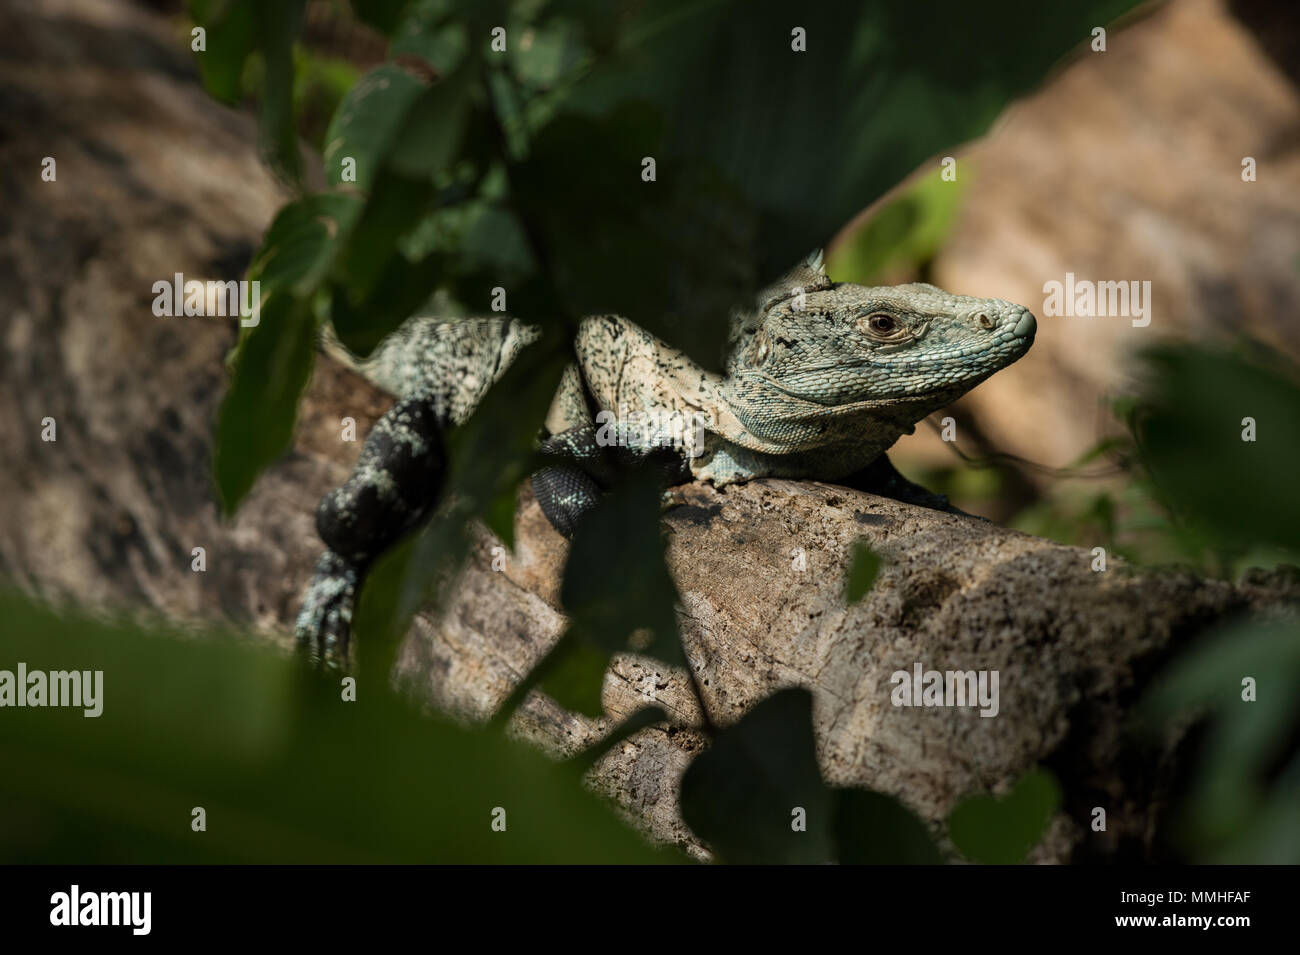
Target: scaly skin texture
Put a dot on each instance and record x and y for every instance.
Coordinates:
(821, 379)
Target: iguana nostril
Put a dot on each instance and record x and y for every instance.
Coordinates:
(984, 320)
(1026, 326)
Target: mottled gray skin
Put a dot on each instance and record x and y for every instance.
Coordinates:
(821, 379)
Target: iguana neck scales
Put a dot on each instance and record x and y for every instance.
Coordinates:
(821, 378)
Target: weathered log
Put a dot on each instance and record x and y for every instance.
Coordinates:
(761, 570)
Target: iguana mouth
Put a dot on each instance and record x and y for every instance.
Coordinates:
(874, 399)
(871, 402)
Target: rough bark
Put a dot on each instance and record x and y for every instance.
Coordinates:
(1073, 648)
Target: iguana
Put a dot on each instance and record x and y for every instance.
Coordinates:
(820, 379)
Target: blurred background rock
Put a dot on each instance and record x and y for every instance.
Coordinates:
(1127, 165)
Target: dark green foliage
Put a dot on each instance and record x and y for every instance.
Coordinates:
(757, 796)
(875, 829)
(616, 581)
(273, 362)
(1244, 801)
(1190, 432)
(491, 454)
(740, 796)
(864, 566)
(1001, 830)
(286, 770)
(267, 29)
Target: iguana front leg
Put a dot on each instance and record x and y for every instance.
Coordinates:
(395, 483)
(583, 469)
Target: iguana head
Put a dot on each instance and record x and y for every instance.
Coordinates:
(816, 351)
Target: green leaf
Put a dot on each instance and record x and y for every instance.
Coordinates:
(231, 36)
(402, 289)
(405, 134)
(302, 243)
(278, 23)
(494, 450)
(617, 590)
(274, 359)
(286, 769)
(1248, 765)
(1002, 830)
(433, 128)
(234, 33)
(669, 254)
(742, 795)
(864, 566)
(366, 122)
(487, 243)
(547, 52)
(437, 32)
(810, 138)
(1190, 435)
(874, 829)
(574, 675)
(645, 717)
(256, 419)
(395, 206)
(383, 15)
(904, 234)
(378, 623)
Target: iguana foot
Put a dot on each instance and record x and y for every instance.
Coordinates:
(565, 494)
(583, 468)
(324, 625)
(396, 480)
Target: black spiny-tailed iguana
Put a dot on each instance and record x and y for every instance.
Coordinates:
(821, 378)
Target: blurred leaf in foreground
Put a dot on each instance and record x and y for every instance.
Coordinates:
(1001, 830)
(618, 594)
(1244, 801)
(902, 235)
(491, 453)
(757, 796)
(233, 33)
(809, 137)
(287, 771)
(864, 567)
(273, 361)
(874, 829)
(1220, 434)
(617, 589)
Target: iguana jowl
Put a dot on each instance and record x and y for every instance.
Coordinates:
(821, 379)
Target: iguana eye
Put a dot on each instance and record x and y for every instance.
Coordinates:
(884, 328)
